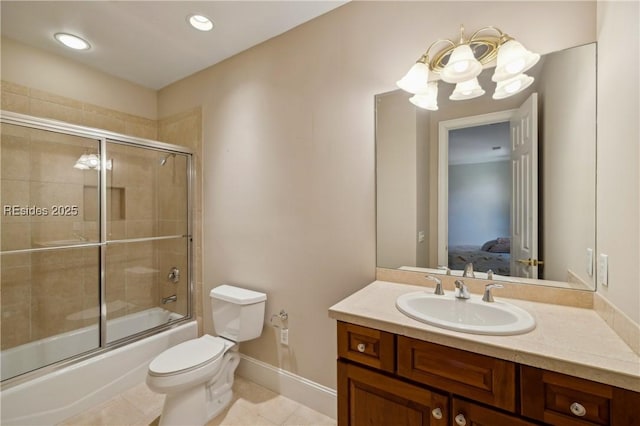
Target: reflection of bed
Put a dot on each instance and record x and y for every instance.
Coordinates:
(482, 260)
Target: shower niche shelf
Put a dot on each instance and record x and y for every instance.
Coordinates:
(115, 201)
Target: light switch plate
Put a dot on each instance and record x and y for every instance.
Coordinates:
(603, 270)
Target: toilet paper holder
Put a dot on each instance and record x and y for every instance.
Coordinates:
(282, 316)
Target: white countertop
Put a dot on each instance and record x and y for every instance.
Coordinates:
(569, 340)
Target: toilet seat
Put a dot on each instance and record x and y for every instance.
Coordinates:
(188, 356)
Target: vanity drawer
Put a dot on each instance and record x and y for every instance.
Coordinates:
(465, 412)
(366, 346)
(564, 400)
(478, 377)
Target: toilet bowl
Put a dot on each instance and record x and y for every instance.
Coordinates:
(197, 375)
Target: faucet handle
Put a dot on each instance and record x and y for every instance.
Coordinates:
(488, 296)
(490, 274)
(438, 282)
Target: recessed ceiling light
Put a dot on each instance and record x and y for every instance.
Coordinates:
(200, 22)
(72, 41)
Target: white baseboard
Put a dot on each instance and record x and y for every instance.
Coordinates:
(304, 391)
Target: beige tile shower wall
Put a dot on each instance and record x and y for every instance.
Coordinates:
(25, 100)
(51, 292)
(289, 176)
(186, 129)
(42, 297)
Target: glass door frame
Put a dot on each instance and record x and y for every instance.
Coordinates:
(104, 137)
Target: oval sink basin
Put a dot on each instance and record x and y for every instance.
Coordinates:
(468, 316)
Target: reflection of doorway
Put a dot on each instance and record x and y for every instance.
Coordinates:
(479, 198)
(523, 236)
(444, 129)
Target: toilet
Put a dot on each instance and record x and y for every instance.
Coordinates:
(197, 375)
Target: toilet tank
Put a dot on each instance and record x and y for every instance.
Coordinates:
(238, 313)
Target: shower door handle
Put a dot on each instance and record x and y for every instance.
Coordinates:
(174, 275)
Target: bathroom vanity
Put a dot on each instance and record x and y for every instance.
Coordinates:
(392, 370)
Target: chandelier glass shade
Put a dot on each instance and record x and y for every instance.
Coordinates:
(427, 100)
(460, 63)
(90, 162)
(416, 79)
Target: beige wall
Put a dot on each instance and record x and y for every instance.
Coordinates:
(288, 148)
(568, 155)
(40, 70)
(618, 182)
(396, 181)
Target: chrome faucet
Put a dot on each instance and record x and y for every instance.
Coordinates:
(438, 290)
(462, 291)
(169, 299)
(468, 271)
(487, 296)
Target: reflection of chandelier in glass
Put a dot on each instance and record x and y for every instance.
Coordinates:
(91, 162)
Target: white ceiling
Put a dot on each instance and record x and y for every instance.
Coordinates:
(150, 42)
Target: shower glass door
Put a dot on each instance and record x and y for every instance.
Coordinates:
(95, 242)
(147, 251)
(50, 248)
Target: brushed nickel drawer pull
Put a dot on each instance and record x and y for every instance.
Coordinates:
(361, 347)
(578, 409)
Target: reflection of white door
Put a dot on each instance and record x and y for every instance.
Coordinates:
(524, 197)
(444, 127)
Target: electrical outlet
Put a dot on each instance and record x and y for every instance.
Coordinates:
(603, 270)
(284, 336)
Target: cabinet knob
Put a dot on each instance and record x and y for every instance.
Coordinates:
(460, 420)
(436, 413)
(578, 409)
(361, 347)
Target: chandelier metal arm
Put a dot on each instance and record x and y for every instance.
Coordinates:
(502, 36)
(425, 57)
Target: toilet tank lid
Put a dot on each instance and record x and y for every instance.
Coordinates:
(240, 296)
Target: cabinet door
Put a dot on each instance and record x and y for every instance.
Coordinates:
(469, 414)
(366, 397)
(563, 400)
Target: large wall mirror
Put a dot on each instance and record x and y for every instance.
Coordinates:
(450, 191)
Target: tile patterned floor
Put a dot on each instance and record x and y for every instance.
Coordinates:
(252, 405)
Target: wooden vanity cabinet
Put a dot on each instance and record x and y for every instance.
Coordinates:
(484, 379)
(471, 414)
(563, 400)
(367, 398)
(390, 380)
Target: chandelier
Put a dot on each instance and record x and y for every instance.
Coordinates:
(91, 162)
(461, 63)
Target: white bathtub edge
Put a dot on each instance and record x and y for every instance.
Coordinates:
(314, 395)
(63, 394)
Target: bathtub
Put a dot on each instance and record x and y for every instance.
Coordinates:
(51, 398)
